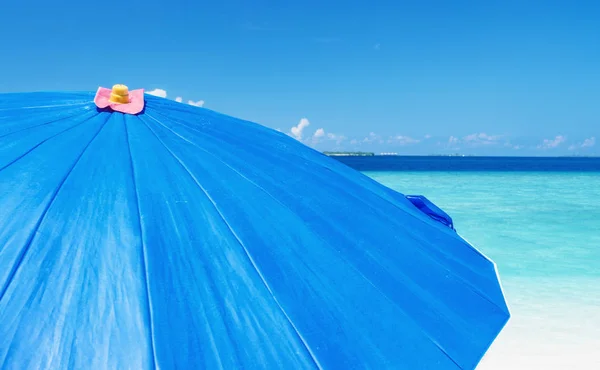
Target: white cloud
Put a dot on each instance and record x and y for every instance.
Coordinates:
(552, 143)
(476, 139)
(318, 136)
(403, 140)
(157, 92)
(452, 143)
(481, 139)
(198, 103)
(297, 130)
(587, 143)
(371, 138)
(163, 94)
(427, 136)
(510, 145)
(353, 141)
(336, 137)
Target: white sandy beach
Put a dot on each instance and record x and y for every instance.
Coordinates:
(548, 332)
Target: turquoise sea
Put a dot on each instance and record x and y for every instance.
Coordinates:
(542, 228)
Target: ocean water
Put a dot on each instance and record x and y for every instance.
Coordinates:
(542, 228)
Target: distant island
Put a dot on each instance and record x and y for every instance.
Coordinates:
(349, 154)
(371, 154)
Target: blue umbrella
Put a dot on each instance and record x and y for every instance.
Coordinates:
(179, 237)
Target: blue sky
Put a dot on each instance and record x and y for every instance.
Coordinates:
(413, 77)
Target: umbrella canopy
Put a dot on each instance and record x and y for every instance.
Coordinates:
(184, 238)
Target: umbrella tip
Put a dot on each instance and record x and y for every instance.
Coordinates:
(119, 94)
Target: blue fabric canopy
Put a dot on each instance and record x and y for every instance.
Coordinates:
(184, 238)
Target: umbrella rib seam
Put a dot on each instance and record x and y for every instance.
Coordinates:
(259, 187)
(40, 125)
(239, 241)
(42, 142)
(417, 215)
(144, 258)
(47, 106)
(441, 261)
(348, 262)
(36, 227)
(420, 217)
(459, 278)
